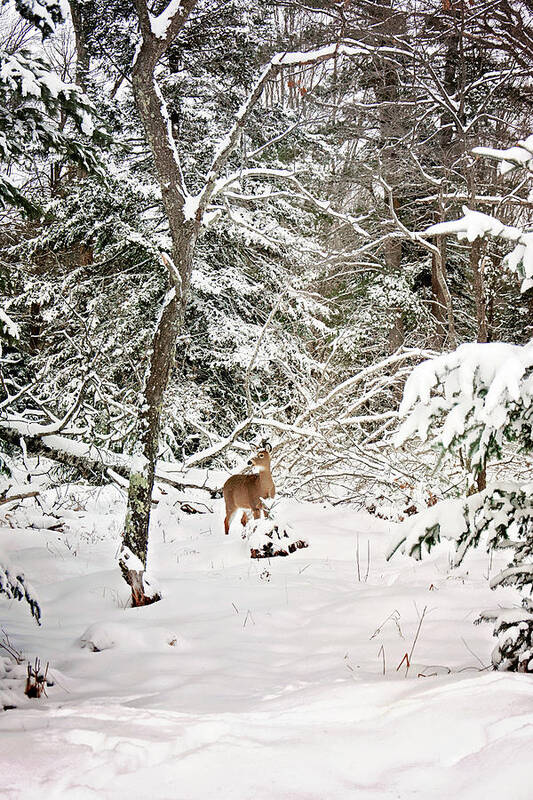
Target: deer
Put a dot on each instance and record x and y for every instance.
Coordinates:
(245, 491)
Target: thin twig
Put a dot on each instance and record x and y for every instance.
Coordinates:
(415, 639)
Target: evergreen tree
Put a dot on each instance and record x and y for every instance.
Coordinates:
(472, 402)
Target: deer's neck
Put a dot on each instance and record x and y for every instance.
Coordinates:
(265, 475)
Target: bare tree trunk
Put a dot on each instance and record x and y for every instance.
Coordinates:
(385, 82)
(442, 299)
(152, 110)
(397, 332)
(82, 54)
(444, 292)
(480, 295)
(438, 304)
(135, 539)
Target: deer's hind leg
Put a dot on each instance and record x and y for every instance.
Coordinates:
(231, 510)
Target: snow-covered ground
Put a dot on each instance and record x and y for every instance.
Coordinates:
(255, 680)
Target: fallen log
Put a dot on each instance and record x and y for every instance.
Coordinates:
(90, 461)
(22, 496)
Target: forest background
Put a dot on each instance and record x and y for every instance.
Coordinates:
(215, 230)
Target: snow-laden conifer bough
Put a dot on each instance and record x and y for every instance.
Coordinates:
(470, 403)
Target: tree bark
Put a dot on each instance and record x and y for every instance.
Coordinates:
(438, 303)
(385, 82)
(141, 479)
(82, 53)
(480, 295)
(439, 271)
(154, 117)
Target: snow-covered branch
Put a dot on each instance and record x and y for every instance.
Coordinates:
(521, 155)
(301, 194)
(222, 444)
(397, 358)
(277, 63)
(158, 32)
(477, 225)
(14, 585)
(472, 398)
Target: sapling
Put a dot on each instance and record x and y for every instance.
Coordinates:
(473, 402)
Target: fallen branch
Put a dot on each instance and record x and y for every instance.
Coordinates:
(94, 463)
(18, 497)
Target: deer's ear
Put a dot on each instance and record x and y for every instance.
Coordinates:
(268, 447)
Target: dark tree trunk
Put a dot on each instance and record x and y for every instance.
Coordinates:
(481, 479)
(397, 333)
(480, 295)
(439, 303)
(82, 53)
(385, 81)
(135, 539)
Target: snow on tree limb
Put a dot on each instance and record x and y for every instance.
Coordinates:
(476, 225)
(513, 574)
(469, 397)
(14, 585)
(335, 50)
(32, 77)
(521, 155)
(44, 14)
(37, 102)
(159, 32)
(160, 24)
(349, 383)
(276, 64)
(89, 457)
(209, 452)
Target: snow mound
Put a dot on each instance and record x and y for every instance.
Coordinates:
(12, 682)
(269, 537)
(106, 635)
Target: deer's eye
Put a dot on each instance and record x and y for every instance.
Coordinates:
(261, 455)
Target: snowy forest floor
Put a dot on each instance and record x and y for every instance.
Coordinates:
(254, 679)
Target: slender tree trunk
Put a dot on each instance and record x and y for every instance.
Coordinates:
(82, 54)
(438, 304)
(135, 540)
(153, 113)
(480, 295)
(442, 299)
(385, 82)
(443, 291)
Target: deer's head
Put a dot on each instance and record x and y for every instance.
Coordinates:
(262, 458)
